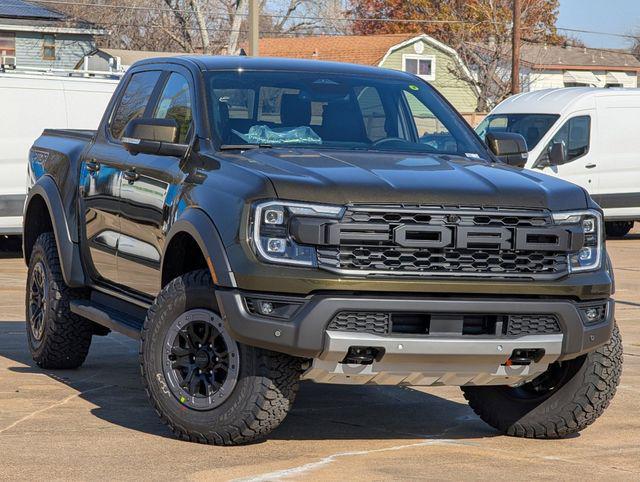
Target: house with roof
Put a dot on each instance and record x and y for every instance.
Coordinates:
(34, 35)
(419, 54)
(553, 66)
(117, 60)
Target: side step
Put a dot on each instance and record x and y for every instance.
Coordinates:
(127, 322)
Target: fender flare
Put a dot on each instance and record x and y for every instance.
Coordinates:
(202, 229)
(68, 250)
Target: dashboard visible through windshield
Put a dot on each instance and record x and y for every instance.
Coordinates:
(335, 111)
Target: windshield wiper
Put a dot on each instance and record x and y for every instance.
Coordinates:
(242, 147)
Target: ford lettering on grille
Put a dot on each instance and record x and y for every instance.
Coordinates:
(457, 242)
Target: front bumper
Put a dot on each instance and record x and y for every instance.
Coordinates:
(433, 359)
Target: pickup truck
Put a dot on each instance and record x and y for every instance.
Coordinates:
(257, 222)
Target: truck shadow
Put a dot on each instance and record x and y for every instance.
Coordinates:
(10, 247)
(110, 381)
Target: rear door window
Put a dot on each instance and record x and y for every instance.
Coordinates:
(133, 102)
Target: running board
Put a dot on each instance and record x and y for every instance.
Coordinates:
(129, 324)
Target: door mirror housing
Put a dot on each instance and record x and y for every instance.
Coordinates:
(509, 147)
(153, 136)
(558, 153)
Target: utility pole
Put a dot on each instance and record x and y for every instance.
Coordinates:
(515, 49)
(254, 27)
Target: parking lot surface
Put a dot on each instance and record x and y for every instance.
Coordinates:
(96, 423)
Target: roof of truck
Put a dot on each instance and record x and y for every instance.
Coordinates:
(231, 62)
(556, 101)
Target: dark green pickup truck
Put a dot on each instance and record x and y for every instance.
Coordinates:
(255, 222)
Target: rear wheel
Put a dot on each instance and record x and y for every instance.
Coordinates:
(618, 229)
(204, 385)
(57, 337)
(565, 399)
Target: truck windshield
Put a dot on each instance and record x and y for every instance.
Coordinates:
(532, 127)
(335, 111)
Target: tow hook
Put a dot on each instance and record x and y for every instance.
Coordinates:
(362, 355)
(520, 357)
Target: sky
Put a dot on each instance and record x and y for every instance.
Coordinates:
(612, 16)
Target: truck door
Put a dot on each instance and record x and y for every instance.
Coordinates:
(148, 189)
(580, 166)
(101, 173)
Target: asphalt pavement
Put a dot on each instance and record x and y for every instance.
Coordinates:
(96, 423)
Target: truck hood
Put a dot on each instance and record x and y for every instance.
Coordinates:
(343, 177)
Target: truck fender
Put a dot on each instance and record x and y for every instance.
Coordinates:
(68, 251)
(201, 228)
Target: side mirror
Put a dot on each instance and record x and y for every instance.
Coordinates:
(509, 147)
(558, 153)
(153, 136)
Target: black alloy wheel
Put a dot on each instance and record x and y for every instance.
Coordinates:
(200, 360)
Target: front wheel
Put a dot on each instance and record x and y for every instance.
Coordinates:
(565, 399)
(204, 385)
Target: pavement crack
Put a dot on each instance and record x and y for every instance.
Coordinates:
(53, 405)
(301, 469)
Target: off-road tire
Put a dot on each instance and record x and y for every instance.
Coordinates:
(66, 337)
(566, 410)
(263, 394)
(618, 229)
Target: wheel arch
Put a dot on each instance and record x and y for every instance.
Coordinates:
(44, 212)
(194, 229)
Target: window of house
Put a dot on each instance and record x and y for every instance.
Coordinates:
(175, 103)
(421, 65)
(7, 44)
(48, 47)
(134, 101)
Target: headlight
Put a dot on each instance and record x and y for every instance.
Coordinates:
(270, 235)
(589, 255)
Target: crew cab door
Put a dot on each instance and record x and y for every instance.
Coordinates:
(101, 173)
(148, 189)
(576, 133)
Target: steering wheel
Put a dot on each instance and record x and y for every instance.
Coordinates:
(388, 139)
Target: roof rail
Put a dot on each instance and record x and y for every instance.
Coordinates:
(12, 68)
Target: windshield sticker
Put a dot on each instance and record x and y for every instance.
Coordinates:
(472, 155)
(414, 87)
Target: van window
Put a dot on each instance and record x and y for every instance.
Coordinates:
(175, 103)
(134, 101)
(530, 126)
(575, 135)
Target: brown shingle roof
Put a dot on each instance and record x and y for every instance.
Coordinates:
(358, 49)
(562, 57)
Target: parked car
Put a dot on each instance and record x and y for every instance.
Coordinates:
(258, 221)
(588, 136)
(31, 101)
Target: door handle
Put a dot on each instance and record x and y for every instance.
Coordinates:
(590, 166)
(93, 166)
(130, 176)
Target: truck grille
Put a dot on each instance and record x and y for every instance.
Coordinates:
(463, 242)
(385, 323)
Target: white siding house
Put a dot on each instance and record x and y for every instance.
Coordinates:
(553, 66)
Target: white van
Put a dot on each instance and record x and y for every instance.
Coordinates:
(585, 135)
(29, 103)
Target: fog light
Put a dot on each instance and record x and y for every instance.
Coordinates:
(276, 245)
(592, 314)
(266, 307)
